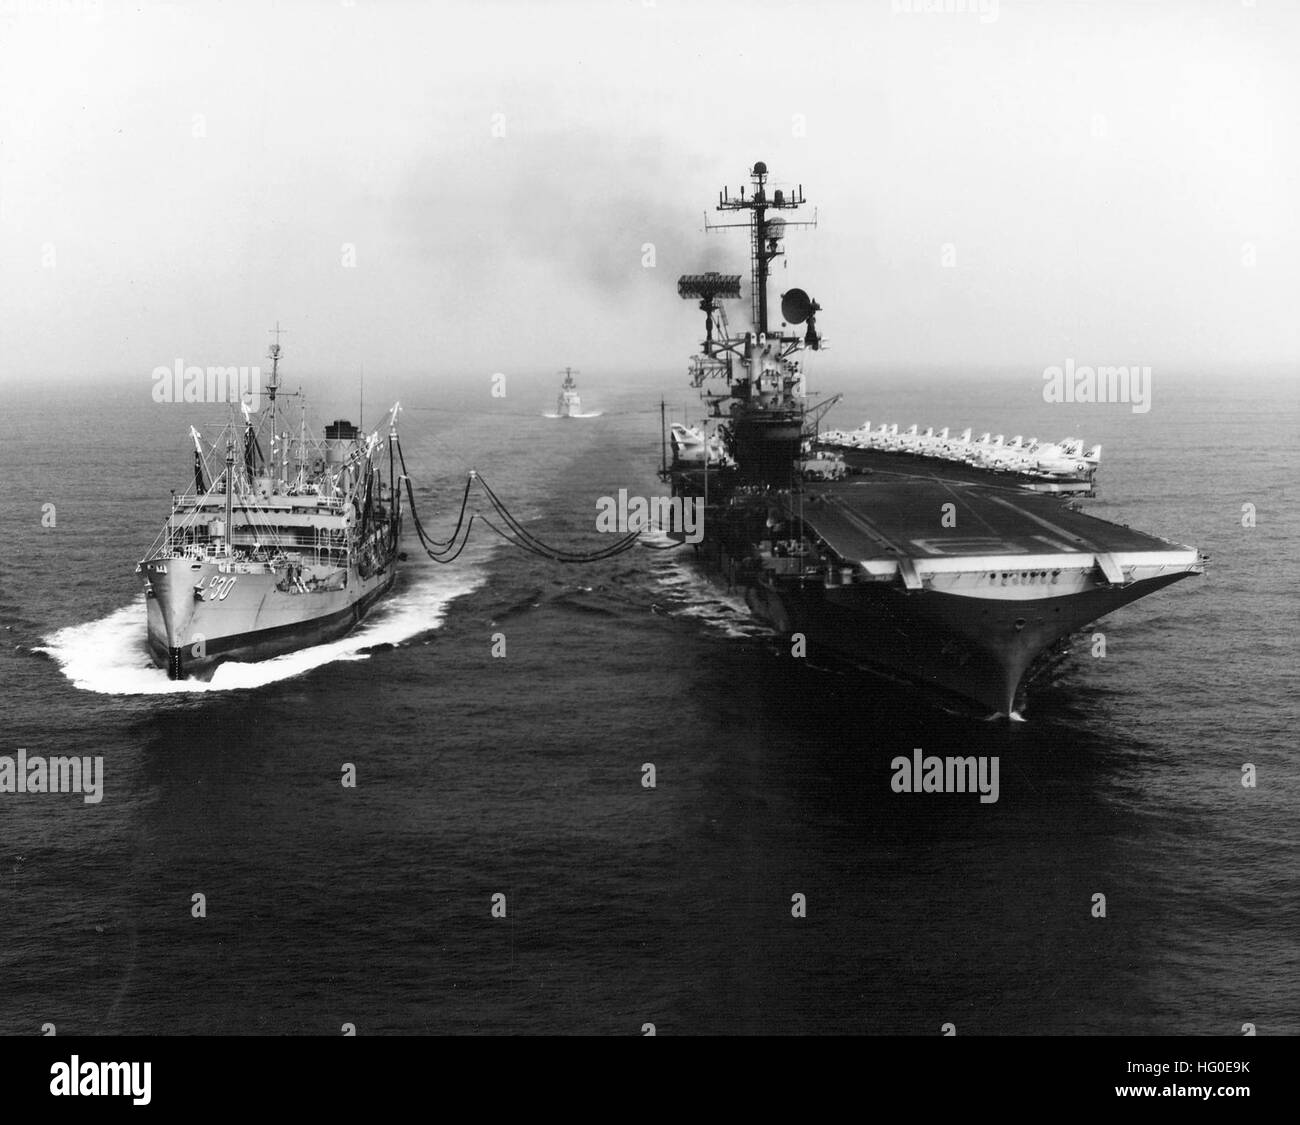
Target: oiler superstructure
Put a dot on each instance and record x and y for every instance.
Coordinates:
(281, 541)
(941, 576)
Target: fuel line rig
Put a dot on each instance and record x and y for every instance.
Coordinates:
(448, 550)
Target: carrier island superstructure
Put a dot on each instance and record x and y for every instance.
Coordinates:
(281, 541)
(928, 570)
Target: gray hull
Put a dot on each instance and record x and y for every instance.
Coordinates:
(959, 588)
(244, 616)
(980, 651)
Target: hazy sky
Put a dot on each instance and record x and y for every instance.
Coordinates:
(1116, 182)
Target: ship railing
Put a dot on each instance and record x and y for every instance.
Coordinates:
(330, 547)
(251, 500)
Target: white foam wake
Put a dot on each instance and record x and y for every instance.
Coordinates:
(705, 601)
(109, 655)
(588, 414)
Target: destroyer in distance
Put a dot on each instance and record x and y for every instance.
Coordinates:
(932, 564)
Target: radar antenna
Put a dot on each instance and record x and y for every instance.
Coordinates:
(765, 234)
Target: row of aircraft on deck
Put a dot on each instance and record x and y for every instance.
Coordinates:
(1066, 457)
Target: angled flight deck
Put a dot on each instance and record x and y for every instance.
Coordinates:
(872, 522)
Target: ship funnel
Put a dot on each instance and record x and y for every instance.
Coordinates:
(340, 439)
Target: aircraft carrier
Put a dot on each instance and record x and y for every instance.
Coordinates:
(286, 544)
(947, 572)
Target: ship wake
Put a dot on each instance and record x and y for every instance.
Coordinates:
(586, 414)
(109, 656)
(687, 593)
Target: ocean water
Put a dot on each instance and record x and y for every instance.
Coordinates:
(522, 776)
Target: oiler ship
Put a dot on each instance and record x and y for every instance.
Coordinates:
(938, 567)
(284, 541)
